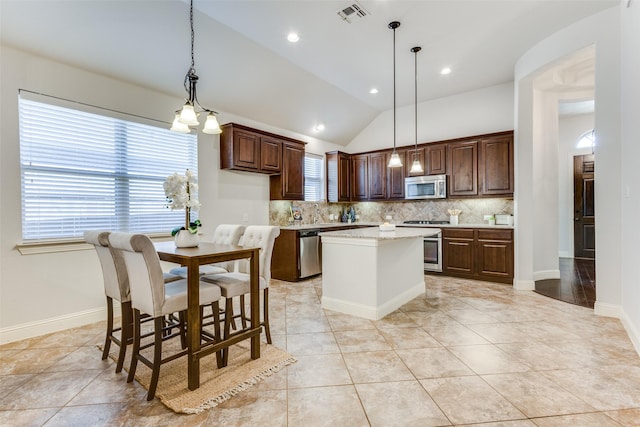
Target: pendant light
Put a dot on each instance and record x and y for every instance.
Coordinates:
(188, 116)
(416, 167)
(394, 160)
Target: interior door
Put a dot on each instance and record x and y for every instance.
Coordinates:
(584, 230)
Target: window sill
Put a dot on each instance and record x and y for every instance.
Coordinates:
(69, 245)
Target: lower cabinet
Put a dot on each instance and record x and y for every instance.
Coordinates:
(478, 253)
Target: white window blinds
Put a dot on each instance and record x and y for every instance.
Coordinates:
(312, 177)
(83, 171)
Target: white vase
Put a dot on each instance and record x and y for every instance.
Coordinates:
(453, 220)
(185, 239)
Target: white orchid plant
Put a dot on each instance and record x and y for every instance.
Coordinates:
(181, 193)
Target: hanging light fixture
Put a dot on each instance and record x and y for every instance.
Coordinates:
(188, 116)
(416, 167)
(394, 160)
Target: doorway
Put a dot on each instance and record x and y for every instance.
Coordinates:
(584, 228)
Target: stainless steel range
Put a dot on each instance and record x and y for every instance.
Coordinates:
(432, 245)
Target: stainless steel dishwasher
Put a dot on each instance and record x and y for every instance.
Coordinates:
(310, 253)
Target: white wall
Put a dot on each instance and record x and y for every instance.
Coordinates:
(471, 113)
(630, 23)
(570, 129)
(47, 292)
(603, 31)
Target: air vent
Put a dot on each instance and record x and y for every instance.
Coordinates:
(352, 13)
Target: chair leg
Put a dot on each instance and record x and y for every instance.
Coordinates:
(125, 330)
(157, 356)
(136, 345)
(227, 326)
(265, 309)
(215, 308)
(243, 314)
(107, 339)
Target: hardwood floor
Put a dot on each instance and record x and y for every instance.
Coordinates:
(577, 283)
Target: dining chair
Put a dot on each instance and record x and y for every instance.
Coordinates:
(225, 234)
(151, 295)
(237, 283)
(116, 287)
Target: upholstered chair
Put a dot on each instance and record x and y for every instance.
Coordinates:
(225, 234)
(237, 283)
(116, 287)
(150, 295)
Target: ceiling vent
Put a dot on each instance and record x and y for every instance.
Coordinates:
(352, 13)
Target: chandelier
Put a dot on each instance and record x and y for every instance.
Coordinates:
(187, 116)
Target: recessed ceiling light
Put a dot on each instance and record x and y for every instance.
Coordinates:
(445, 71)
(373, 91)
(293, 37)
(319, 127)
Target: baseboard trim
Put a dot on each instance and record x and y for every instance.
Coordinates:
(546, 274)
(524, 285)
(54, 324)
(612, 310)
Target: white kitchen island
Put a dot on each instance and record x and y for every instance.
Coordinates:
(370, 273)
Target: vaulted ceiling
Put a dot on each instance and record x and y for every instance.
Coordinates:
(247, 67)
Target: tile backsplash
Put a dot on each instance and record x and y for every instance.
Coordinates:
(473, 210)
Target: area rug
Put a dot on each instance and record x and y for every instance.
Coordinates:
(216, 385)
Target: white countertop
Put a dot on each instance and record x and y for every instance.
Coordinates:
(377, 234)
(330, 225)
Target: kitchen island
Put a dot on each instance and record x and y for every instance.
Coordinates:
(370, 273)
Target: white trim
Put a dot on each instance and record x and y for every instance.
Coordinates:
(55, 324)
(371, 312)
(632, 331)
(524, 285)
(608, 310)
(565, 254)
(546, 274)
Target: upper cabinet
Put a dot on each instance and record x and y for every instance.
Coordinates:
(338, 166)
(289, 185)
(495, 165)
(251, 150)
(378, 175)
(463, 168)
(436, 159)
(410, 156)
(360, 177)
(395, 176)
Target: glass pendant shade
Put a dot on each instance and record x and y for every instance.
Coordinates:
(416, 167)
(178, 126)
(394, 161)
(211, 125)
(188, 115)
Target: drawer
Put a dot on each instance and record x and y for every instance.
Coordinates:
(491, 234)
(457, 233)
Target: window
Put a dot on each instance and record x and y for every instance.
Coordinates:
(587, 140)
(81, 170)
(312, 178)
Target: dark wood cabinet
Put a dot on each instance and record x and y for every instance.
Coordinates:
(436, 158)
(378, 175)
(495, 255)
(360, 177)
(463, 168)
(289, 185)
(270, 154)
(338, 168)
(239, 149)
(478, 253)
(395, 176)
(495, 167)
(457, 252)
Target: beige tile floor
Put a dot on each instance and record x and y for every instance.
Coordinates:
(465, 353)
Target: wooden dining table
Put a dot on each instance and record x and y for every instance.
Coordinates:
(193, 258)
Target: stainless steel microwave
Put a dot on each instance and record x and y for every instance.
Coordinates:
(425, 187)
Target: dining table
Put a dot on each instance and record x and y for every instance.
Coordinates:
(193, 258)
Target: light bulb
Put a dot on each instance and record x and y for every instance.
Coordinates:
(211, 125)
(394, 161)
(188, 115)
